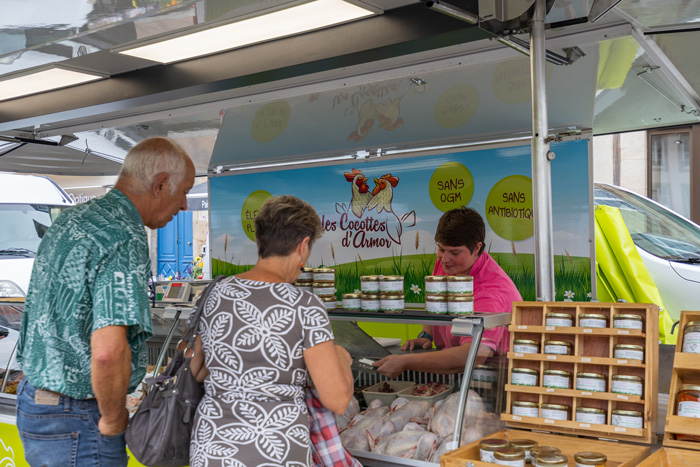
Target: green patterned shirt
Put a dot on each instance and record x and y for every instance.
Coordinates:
(91, 271)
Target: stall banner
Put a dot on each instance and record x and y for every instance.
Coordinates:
(379, 216)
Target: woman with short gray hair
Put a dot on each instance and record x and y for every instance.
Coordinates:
(261, 338)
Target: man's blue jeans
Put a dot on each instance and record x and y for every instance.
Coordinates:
(65, 435)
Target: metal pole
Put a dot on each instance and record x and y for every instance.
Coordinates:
(477, 331)
(541, 169)
(166, 344)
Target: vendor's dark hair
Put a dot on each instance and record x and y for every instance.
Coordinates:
(461, 227)
(282, 224)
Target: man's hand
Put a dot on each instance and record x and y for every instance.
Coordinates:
(113, 427)
(390, 366)
(421, 343)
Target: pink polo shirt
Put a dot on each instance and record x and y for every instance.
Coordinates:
(494, 292)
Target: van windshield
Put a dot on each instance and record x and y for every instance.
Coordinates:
(22, 226)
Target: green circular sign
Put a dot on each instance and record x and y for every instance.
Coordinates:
(249, 211)
(456, 106)
(509, 208)
(270, 121)
(451, 186)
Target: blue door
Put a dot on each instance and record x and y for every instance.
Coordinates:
(175, 246)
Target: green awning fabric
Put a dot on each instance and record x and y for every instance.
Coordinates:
(620, 271)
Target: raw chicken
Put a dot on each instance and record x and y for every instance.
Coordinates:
(356, 436)
(417, 444)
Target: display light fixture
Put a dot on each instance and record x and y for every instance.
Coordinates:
(293, 20)
(41, 79)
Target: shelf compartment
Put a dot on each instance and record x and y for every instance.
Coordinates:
(608, 396)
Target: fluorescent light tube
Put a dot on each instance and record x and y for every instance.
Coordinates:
(44, 80)
(295, 20)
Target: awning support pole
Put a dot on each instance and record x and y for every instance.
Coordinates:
(541, 158)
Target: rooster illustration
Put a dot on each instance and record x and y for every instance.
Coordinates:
(382, 196)
(367, 116)
(389, 118)
(361, 195)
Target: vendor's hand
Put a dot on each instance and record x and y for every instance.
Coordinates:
(420, 343)
(391, 366)
(113, 427)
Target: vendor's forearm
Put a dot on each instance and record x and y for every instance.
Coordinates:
(111, 371)
(448, 361)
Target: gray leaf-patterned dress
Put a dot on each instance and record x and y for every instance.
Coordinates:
(253, 412)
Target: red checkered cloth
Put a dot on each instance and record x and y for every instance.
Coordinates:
(326, 448)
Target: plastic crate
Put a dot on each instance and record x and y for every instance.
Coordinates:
(372, 393)
(408, 394)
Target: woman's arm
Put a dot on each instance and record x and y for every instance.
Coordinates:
(329, 367)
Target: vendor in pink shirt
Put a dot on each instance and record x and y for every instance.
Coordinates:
(460, 240)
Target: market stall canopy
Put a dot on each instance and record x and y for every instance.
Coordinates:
(642, 53)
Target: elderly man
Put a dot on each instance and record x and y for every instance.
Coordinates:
(86, 320)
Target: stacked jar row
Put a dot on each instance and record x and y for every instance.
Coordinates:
(319, 281)
(378, 294)
(622, 348)
(449, 295)
(600, 319)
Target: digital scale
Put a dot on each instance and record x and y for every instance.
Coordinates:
(182, 291)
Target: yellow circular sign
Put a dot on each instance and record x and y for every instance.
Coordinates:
(456, 106)
(270, 121)
(249, 211)
(509, 208)
(451, 186)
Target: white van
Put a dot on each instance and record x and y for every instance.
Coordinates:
(28, 206)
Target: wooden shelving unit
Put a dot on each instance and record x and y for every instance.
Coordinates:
(686, 370)
(592, 353)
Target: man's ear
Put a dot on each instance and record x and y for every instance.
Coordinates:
(159, 182)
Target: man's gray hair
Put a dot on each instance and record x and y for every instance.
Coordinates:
(151, 157)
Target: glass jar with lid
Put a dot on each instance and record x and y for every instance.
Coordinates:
(592, 320)
(525, 409)
(329, 301)
(488, 446)
(352, 302)
(628, 352)
(436, 285)
(324, 288)
(564, 320)
(590, 415)
(369, 284)
(391, 303)
(526, 445)
(691, 337)
(627, 384)
(436, 304)
(627, 419)
(524, 377)
(544, 450)
(558, 348)
(391, 285)
(688, 405)
(590, 459)
(559, 379)
(324, 274)
(551, 460)
(511, 456)
(526, 346)
(625, 321)
(307, 275)
(485, 373)
(594, 382)
(463, 285)
(460, 304)
(556, 411)
(370, 302)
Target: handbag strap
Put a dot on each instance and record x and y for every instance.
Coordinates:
(189, 336)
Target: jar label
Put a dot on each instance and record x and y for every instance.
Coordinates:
(369, 287)
(352, 304)
(391, 286)
(627, 387)
(524, 348)
(370, 305)
(559, 322)
(460, 307)
(392, 305)
(520, 379)
(689, 409)
(513, 463)
(487, 456)
(555, 414)
(439, 308)
(593, 323)
(486, 376)
(436, 287)
(629, 354)
(323, 276)
(627, 421)
(330, 305)
(556, 349)
(691, 342)
(460, 287)
(306, 276)
(554, 381)
(627, 324)
(324, 290)
(590, 384)
(525, 411)
(590, 418)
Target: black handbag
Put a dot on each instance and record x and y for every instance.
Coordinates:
(158, 434)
